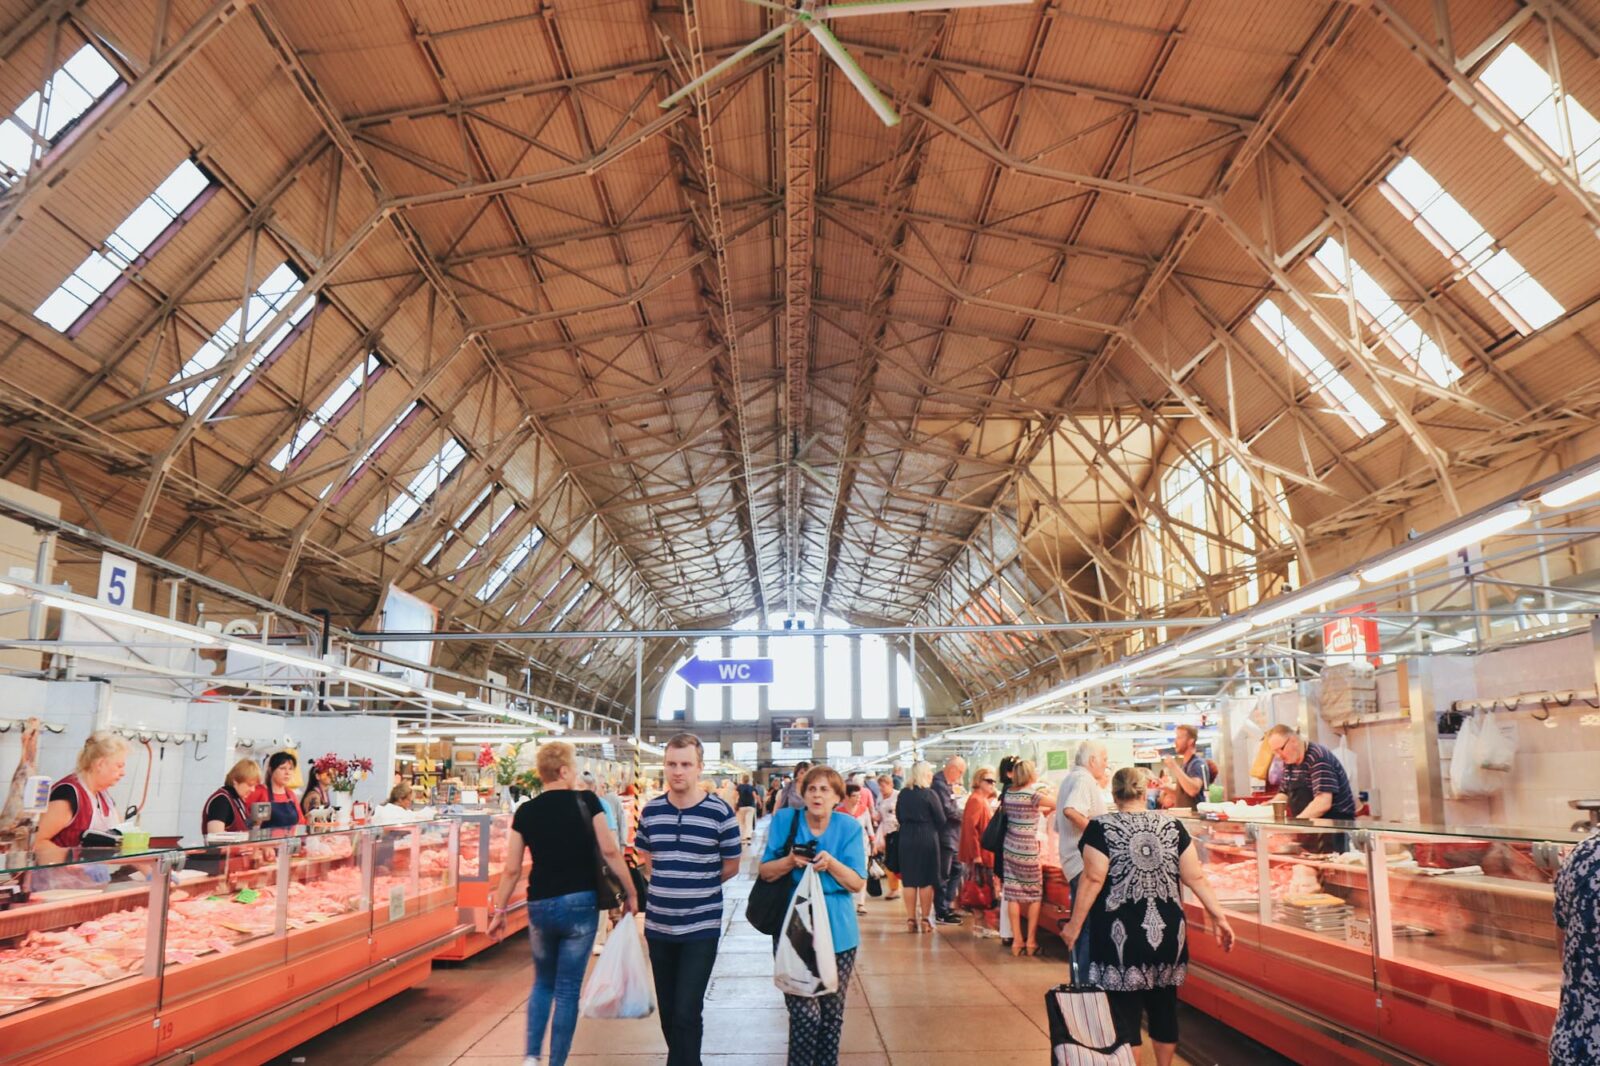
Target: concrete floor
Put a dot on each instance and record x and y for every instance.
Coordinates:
(943, 999)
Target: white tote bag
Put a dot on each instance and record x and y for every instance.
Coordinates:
(805, 964)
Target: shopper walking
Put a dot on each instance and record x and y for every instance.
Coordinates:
(887, 840)
(1082, 798)
(1026, 804)
(949, 886)
(559, 829)
(748, 806)
(689, 841)
(921, 821)
(1133, 862)
(1576, 1037)
(841, 864)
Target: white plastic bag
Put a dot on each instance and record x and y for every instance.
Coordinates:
(1347, 759)
(619, 986)
(805, 964)
(1497, 750)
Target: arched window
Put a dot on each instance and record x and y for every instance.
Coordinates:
(826, 679)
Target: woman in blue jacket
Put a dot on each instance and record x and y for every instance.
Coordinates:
(840, 859)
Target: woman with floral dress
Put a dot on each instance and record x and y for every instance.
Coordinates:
(1027, 804)
(1577, 1031)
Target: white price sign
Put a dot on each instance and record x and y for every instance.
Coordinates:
(117, 576)
(397, 903)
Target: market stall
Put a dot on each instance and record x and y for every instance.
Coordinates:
(1356, 938)
(222, 951)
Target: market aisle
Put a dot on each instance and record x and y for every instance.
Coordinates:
(941, 999)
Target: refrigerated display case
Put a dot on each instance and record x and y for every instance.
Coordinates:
(483, 836)
(1357, 941)
(225, 951)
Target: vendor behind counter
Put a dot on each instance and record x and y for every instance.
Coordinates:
(80, 803)
(1314, 780)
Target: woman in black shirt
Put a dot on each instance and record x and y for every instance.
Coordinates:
(561, 829)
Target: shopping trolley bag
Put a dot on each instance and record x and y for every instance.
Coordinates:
(1084, 1030)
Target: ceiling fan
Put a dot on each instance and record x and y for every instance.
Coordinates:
(812, 16)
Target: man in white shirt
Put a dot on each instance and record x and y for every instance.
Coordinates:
(1081, 797)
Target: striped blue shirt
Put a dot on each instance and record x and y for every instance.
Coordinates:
(686, 849)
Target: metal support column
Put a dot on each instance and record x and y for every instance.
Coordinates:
(1417, 689)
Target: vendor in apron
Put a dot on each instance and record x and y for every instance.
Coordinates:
(280, 792)
(1315, 784)
(81, 801)
(227, 810)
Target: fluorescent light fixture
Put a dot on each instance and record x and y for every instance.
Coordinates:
(1446, 544)
(193, 634)
(1053, 719)
(9, 590)
(1152, 717)
(1572, 490)
(1150, 662)
(1212, 637)
(376, 680)
(1308, 600)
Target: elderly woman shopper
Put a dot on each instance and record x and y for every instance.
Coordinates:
(978, 864)
(560, 830)
(887, 841)
(921, 821)
(840, 860)
(1134, 859)
(1027, 804)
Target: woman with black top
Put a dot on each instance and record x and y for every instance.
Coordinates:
(921, 821)
(318, 793)
(560, 828)
(227, 810)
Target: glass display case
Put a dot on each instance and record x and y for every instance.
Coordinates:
(1367, 922)
(483, 838)
(238, 929)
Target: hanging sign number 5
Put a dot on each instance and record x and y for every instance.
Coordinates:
(117, 576)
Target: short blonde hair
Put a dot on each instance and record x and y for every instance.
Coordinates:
(100, 745)
(552, 756)
(1023, 773)
(922, 775)
(244, 771)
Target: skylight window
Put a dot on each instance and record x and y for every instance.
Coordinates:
(454, 531)
(494, 531)
(277, 290)
(514, 559)
(146, 230)
(1492, 270)
(39, 122)
(377, 447)
(1398, 330)
(1529, 93)
(577, 597)
(562, 580)
(422, 488)
(1325, 380)
(327, 413)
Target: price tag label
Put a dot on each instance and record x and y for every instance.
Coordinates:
(117, 576)
(247, 895)
(397, 903)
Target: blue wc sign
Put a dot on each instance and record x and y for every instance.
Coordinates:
(697, 671)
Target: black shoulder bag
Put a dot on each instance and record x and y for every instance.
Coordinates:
(608, 891)
(769, 900)
(994, 834)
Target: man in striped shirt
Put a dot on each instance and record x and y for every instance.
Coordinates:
(689, 840)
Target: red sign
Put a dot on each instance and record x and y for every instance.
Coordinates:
(1354, 632)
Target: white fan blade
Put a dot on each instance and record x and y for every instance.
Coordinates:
(903, 7)
(852, 70)
(772, 36)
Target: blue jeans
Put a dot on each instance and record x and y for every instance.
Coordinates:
(1080, 951)
(561, 930)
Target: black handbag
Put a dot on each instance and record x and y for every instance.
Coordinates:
(769, 900)
(608, 890)
(994, 834)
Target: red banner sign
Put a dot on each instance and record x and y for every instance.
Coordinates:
(1354, 632)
